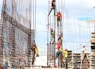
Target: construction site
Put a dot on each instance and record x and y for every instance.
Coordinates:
(33, 39)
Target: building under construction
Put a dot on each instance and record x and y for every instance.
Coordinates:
(15, 32)
(17, 36)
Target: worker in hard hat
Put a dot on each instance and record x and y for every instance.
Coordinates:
(60, 39)
(52, 32)
(59, 49)
(65, 53)
(59, 18)
(53, 6)
(36, 50)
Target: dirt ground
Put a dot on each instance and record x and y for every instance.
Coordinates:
(42, 68)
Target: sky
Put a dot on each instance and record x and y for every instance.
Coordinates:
(0, 5)
(76, 31)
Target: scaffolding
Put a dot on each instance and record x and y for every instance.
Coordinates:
(17, 35)
(51, 34)
(17, 38)
(54, 34)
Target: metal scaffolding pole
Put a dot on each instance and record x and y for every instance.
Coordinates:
(29, 36)
(51, 43)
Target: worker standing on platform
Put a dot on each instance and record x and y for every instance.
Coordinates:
(84, 52)
(53, 6)
(52, 32)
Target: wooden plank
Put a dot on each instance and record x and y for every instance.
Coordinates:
(92, 40)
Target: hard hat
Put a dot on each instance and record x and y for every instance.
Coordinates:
(51, 28)
(60, 35)
(66, 49)
(59, 13)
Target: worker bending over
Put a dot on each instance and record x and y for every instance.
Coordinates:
(64, 52)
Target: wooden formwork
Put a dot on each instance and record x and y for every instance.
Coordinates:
(1, 50)
(16, 21)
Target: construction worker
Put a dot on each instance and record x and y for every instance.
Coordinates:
(64, 53)
(64, 59)
(35, 48)
(35, 52)
(59, 49)
(60, 39)
(59, 18)
(52, 32)
(84, 52)
(53, 6)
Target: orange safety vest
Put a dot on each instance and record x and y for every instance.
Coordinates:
(58, 45)
(59, 16)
